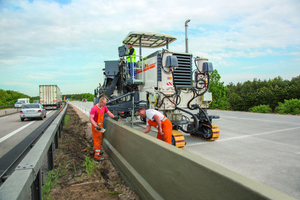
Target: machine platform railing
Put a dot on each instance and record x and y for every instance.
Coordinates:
(136, 76)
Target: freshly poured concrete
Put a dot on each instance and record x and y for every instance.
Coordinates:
(157, 170)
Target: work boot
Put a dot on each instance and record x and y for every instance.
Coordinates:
(98, 160)
(101, 153)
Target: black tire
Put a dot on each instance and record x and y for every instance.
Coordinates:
(207, 133)
(173, 140)
(42, 118)
(45, 115)
(22, 119)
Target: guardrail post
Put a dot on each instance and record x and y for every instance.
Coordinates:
(59, 131)
(56, 139)
(50, 158)
(61, 128)
(36, 188)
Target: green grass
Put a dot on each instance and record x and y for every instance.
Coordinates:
(114, 192)
(74, 170)
(51, 180)
(89, 165)
(67, 117)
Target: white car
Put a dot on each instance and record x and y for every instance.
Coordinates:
(33, 110)
(19, 104)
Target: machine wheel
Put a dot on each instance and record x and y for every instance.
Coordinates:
(41, 118)
(207, 132)
(178, 139)
(45, 115)
(22, 119)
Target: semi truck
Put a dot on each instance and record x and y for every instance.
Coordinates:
(24, 100)
(50, 96)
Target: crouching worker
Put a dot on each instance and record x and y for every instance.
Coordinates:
(96, 118)
(158, 120)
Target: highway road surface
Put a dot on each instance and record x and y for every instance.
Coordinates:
(13, 130)
(263, 147)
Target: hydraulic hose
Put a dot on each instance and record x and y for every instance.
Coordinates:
(197, 95)
(154, 98)
(205, 115)
(196, 121)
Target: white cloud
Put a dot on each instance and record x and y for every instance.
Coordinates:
(73, 40)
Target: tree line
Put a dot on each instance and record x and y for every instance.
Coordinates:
(10, 97)
(269, 96)
(265, 96)
(79, 97)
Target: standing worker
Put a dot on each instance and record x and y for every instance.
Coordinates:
(158, 120)
(131, 59)
(96, 118)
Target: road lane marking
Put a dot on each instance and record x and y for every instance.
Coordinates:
(16, 131)
(244, 136)
(3, 117)
(260, 120)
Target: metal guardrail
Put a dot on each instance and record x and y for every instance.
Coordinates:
(27, 177)
(6, 106)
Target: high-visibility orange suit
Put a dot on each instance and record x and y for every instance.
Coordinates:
(98, 135)
(166, 126)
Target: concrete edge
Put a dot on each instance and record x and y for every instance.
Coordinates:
(226, 182)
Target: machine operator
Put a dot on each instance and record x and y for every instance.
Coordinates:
(131, 60)
(158, 120)
(96, 118)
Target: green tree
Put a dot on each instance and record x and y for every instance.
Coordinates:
(217, 89)
(235, 101)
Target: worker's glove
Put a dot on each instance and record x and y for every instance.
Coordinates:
(98, 128)
(116, 118)
(160, 132)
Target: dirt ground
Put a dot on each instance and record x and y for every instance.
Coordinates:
(74, 145)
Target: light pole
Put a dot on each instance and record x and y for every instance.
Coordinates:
(186, 35)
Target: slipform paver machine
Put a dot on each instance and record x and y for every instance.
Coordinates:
(162, 80)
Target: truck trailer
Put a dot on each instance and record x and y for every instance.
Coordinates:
(50, 96)
(24, 100)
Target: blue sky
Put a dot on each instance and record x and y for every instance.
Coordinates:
(66, 42)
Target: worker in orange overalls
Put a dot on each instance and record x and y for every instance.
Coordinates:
(158, 120)
(96, 118)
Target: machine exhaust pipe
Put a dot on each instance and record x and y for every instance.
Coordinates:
(186, 35)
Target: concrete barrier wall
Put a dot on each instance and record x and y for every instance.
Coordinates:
(157, 170)
(4, 112)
